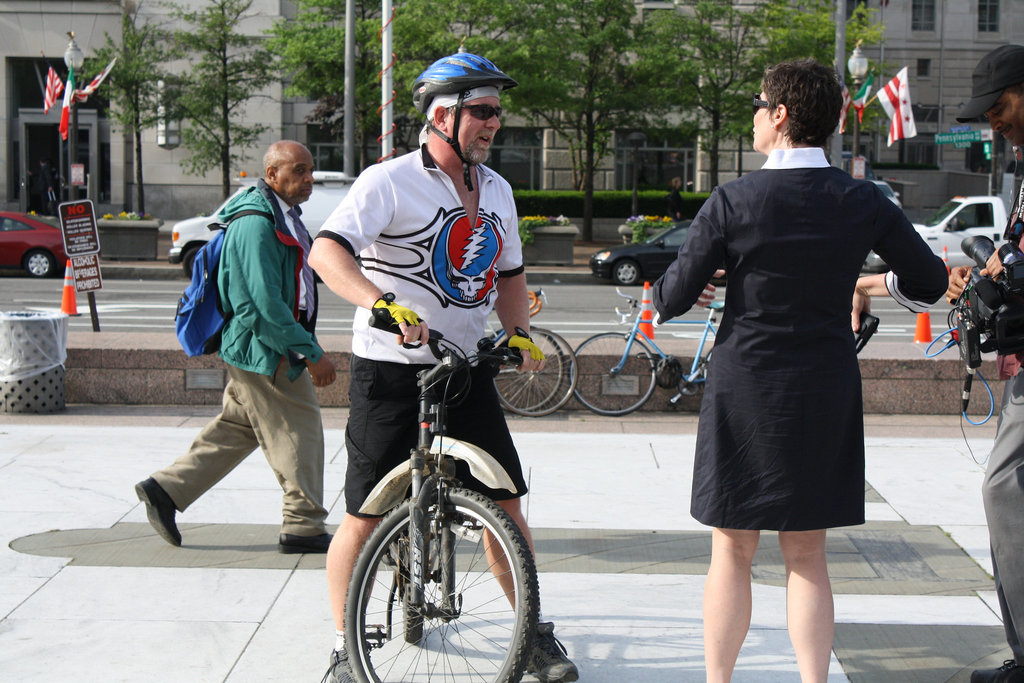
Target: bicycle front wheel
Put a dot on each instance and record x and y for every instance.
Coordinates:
(614, 379)
(479, 612)
(534, 394)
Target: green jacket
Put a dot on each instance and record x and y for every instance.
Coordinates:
(258, 280)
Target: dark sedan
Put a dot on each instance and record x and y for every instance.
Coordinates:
(31, 245)
(631, 264)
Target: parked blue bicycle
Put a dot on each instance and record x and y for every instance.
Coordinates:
(617, 373)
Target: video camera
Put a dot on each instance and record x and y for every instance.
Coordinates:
(990, 312)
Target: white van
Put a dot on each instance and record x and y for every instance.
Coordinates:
(187, 236)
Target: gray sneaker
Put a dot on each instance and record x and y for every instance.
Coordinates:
(548, 661)
(339, 670)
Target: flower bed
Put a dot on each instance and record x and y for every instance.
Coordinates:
(636, 229)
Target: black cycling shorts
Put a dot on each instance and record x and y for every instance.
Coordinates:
(383, 423)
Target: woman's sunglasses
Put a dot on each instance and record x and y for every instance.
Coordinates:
(760, 104)
(484, 112)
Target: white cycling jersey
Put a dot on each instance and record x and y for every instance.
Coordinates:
(405, 221)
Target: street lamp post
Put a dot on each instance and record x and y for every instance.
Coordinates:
(73, 58)
(858, 66)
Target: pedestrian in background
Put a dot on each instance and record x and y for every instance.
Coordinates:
(675, 200)
(268, 344)
(780, 444)
(44, 185)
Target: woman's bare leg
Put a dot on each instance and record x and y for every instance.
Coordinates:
(727, 600)
(810, 614)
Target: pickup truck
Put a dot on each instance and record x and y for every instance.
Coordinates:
(187, 236)
(958, 219)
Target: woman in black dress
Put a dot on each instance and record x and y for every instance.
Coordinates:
(780, 444)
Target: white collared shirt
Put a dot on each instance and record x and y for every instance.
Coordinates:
(290, 222)
(796, 157)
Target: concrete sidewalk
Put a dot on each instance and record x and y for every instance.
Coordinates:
(92, 594)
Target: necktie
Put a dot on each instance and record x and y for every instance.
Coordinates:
(307, 273)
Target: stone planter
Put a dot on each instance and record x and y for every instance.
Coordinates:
(127, 240)
(626, 233)
(552, 246)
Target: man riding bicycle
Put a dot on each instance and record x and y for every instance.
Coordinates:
(437, 234)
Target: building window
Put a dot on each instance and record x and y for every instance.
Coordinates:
(924, 68)
(920, 152)
(988, 16)
(661, 159)
(517, 155)
(922, 15)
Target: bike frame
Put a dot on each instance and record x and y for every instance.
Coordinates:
(432, 447)
(708, 325)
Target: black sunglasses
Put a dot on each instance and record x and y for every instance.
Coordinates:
(484, 112)
(760, 104)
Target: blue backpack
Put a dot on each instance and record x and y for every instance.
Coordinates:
(200, 317)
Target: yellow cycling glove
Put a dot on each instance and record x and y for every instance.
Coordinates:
(525, 345)
(388, 312)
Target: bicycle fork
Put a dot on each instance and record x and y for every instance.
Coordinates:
(422, 536)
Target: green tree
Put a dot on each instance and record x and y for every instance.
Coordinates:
(715, 64)
(226, 70)
(576, 64)
(312, 57)
(132, 84)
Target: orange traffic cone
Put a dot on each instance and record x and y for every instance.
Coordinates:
(67, 299)
(945, 258)
(647, 312)
(923, 330)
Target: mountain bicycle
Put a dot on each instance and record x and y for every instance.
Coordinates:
(618, 372)
(445, 588)
(534, 394)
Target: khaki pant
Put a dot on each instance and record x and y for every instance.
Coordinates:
(281, 417)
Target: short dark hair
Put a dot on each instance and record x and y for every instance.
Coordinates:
(812, 95)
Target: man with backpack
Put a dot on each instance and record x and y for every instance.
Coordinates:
(268, 295)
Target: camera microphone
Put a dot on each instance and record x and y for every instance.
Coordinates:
(965, 397)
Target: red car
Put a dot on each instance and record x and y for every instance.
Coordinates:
(30, 244)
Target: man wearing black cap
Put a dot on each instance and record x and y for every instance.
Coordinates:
(997, 95)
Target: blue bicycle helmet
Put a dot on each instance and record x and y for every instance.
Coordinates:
(457, 73)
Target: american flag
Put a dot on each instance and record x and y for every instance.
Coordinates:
(54, 87)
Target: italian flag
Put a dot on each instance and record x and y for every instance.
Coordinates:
(65, 112)
(861, 98)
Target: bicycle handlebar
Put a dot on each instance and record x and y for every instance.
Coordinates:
(449, 354)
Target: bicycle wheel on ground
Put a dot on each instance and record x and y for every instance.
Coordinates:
(612, 382)
(533, 394)
(478, 628)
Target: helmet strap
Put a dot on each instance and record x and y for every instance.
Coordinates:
(454, 141)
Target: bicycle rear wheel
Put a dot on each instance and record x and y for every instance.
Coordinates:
(607, 389)
(475, 635)
(533, 394)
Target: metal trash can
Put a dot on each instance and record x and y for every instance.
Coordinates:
(33, 348)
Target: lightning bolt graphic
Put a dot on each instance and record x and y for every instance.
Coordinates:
(474, 244)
